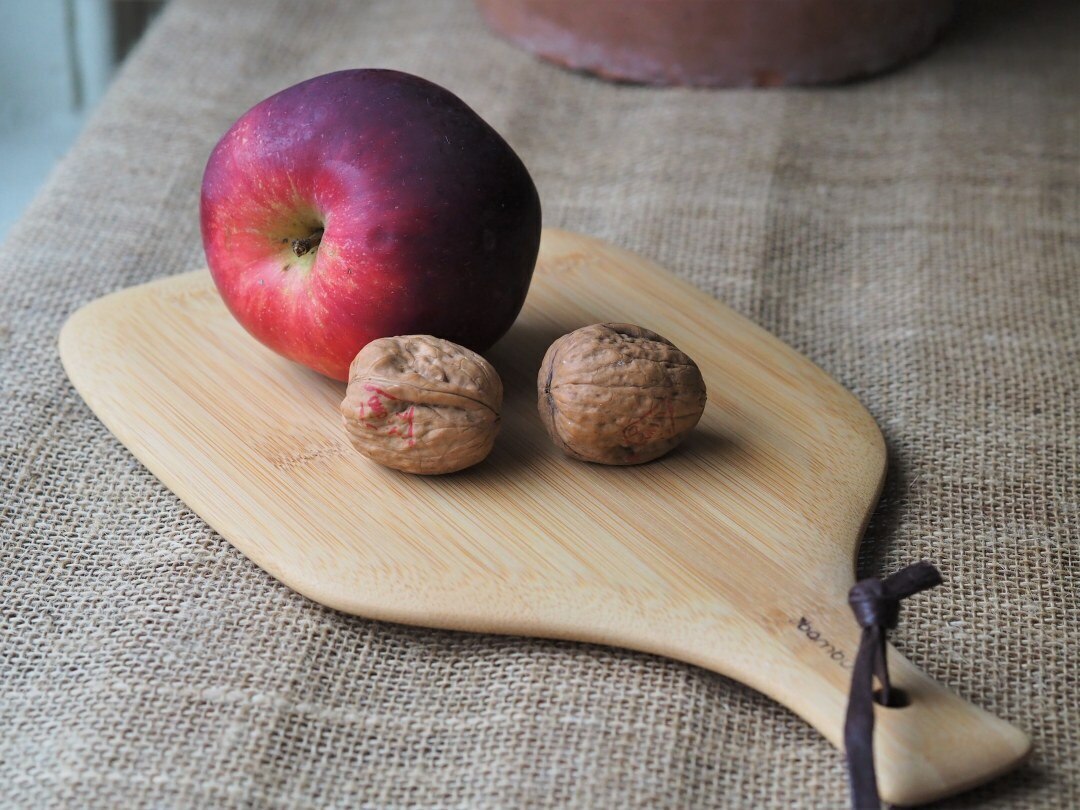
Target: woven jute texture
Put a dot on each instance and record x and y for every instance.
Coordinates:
(917, 235)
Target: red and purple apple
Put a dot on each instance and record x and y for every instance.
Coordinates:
(366, 204)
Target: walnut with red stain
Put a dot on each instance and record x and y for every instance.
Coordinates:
(615, 393)
(422, 404)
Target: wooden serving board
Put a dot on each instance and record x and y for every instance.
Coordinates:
(735, 552)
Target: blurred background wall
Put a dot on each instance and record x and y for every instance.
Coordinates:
(56, 59)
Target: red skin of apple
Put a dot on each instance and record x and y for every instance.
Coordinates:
(430, 222)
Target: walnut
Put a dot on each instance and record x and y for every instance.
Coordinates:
(422, 405)
(614, 393)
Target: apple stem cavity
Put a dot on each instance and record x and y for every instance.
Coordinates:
(308, 243)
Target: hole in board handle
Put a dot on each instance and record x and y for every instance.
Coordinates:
(898, 698)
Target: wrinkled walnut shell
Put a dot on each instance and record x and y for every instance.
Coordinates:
(614, 393)
(422, 405)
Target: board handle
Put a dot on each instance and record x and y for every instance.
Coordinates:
(934, 746)
(938, 743)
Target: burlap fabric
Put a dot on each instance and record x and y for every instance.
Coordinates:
(918, 236)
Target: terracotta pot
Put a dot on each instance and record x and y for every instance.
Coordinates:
(722, 43)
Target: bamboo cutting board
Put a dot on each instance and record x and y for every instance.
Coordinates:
(735, 552)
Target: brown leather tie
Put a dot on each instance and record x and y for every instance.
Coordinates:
(876, 605)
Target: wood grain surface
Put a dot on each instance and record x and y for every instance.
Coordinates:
(735, 552)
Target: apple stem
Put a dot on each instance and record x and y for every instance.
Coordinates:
(305, 245)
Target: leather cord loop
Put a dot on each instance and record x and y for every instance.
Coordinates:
(876, 605)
